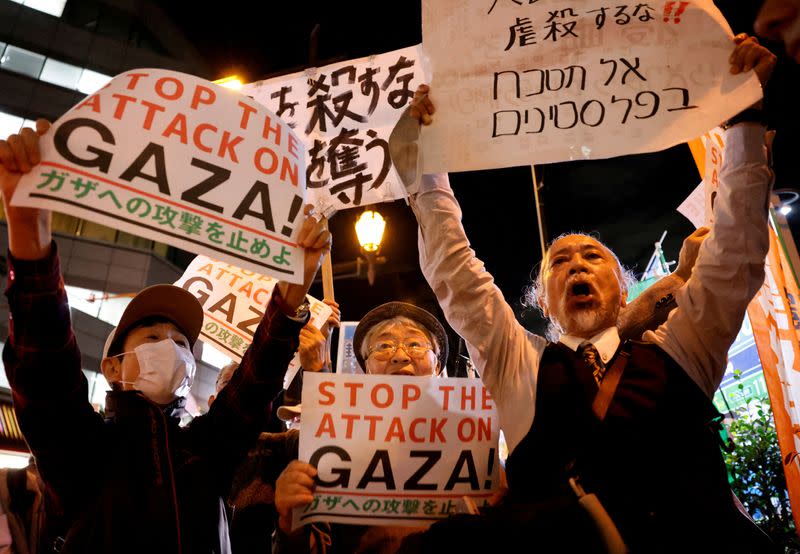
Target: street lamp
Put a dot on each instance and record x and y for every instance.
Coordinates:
(369, 229)
(232, 82)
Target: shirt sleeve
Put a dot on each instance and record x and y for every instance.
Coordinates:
(505, 353)
(730, 264)
(240, 411)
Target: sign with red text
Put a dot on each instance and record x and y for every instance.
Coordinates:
(177, 159)
(234, 301)
(550, 81)
(344, 113)
(396, 450)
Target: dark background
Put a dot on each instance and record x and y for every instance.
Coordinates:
(629, 201)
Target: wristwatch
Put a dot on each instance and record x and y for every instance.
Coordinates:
(303, 309)
(751, 114)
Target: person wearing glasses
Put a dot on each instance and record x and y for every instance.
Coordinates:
(395, 338)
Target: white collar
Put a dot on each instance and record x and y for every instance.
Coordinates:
(606, 342)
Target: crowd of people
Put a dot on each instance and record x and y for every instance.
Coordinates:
(614, 411)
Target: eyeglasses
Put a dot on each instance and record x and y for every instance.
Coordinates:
(384, 350)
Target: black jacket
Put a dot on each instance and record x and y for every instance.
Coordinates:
(123, 483)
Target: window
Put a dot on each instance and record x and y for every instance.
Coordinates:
(52, 7)
(91, 81)
(22, 61)
(9, 124)
(61, 74)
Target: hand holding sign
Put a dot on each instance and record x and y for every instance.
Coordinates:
(293, 489)
(749, 54)
(175, 158)
(315, 239)
(29, 234)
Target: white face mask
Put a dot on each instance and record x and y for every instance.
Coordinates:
(166, 371)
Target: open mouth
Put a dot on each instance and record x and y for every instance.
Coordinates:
(580, 289)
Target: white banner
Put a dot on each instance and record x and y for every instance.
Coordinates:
(345, 113)
(548, 81)
(177, 159)
(396, 450)
(234, 300)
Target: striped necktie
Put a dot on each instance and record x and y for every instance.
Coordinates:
(592, 358)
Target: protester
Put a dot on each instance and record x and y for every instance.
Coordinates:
(395, 338)
(780, 20)
(135, 482)
(629, 428)
(23, 525)
(251, 500)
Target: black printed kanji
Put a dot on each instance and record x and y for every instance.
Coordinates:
(521, 31)
(563, 27)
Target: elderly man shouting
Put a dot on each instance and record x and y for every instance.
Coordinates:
(628, 427)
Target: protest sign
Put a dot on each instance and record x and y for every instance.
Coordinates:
(174, 158)
(345, 113)
(396, 450)
(549, 81)
(234, 300)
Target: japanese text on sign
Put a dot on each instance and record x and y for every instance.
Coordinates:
(345, 113)
(547, 81)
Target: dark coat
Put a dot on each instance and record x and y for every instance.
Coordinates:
(123, 483)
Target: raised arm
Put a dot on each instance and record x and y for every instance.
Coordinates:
(41, 356)
(506, 355)
(730, 264)
(237, 415)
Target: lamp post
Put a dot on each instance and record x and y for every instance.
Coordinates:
(369, 229)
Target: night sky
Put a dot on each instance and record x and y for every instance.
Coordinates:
(629, 201)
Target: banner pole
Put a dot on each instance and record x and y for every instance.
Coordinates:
(539, 218)
(327, 294)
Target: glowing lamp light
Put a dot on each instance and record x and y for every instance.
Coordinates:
(233, 82)
(785, 209)
(369, 229)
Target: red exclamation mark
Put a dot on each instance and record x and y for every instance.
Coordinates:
(668, 11)
(297, 203)
(489, 469)
(679, 11)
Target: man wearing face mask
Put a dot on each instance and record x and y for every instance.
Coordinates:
(136, 481)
